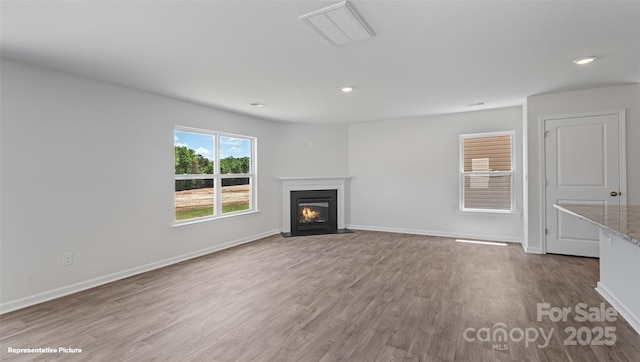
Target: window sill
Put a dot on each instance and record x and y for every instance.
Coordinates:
(489, 213)
(181, 224)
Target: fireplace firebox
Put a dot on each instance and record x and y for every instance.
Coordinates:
(314, 212)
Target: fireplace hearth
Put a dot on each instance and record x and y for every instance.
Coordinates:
(314, 212)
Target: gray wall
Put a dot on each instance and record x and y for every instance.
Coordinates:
(405, 175)
(87, 167)
(312, 150)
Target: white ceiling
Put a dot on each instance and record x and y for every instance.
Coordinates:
(428, 57)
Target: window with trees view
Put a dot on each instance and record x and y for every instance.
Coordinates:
(214, 174)
(487, 172)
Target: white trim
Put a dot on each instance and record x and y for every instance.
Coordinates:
(194, 176)
(194, 130)
(92, 283)
(543, 186)
(622, 153)
(253, 202)
(632, 319)
(525, 175)
(488, 211)
(436, 233)
(199, 220)
(313, 183)
(622, 157)
(487, 134)
(530, 250)
(302, 179)
(210, 132)
(494, 213)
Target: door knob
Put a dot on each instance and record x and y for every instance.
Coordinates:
(613, 193)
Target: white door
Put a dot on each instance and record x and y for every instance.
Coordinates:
(582, 165)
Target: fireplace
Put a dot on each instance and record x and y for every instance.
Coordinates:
(315, 193)
(314, 212)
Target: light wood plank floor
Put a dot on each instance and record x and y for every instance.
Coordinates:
(365, 296)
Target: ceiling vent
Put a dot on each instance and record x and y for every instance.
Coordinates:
(338, 24)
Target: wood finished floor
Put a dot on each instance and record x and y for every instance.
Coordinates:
(367, 296)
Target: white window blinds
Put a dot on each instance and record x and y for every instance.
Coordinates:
(486, 170)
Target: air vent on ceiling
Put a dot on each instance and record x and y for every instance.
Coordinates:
(338, 24)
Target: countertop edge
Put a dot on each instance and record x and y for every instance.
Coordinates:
(621, 235)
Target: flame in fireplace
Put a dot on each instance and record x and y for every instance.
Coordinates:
(309, 215)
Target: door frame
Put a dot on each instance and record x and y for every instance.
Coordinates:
(622, 160)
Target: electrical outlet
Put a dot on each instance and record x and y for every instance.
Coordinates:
(67, 259)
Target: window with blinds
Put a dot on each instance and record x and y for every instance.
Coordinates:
(486, 172)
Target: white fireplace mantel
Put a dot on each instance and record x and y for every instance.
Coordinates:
(313, 183)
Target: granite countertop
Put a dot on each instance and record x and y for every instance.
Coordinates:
(623, 220)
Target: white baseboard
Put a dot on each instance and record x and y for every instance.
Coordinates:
(92, 283)
(530, 250)
(436, 233)
(632, 319)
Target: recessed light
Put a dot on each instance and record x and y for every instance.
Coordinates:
(587, 60)
(346, 89)
(259, 105)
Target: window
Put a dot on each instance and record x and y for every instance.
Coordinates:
(214, 174)
(487, 172)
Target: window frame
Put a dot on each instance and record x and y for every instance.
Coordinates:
(217, 177)
(463, 173)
